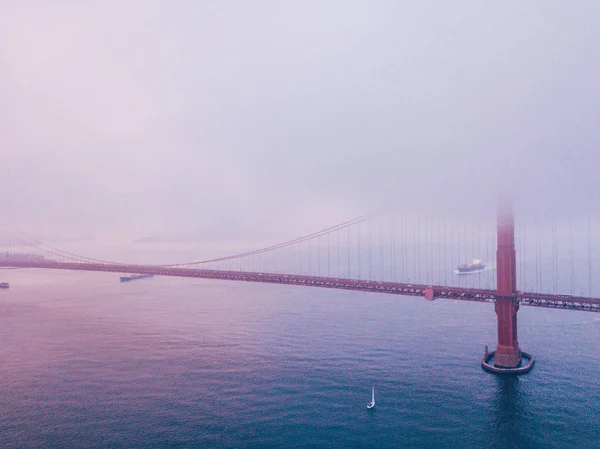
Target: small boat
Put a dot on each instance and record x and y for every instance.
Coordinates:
(371, 404)
(474, 267)
(4, 285)
(135, 276)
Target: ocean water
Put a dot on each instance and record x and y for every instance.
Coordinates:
(86, 361)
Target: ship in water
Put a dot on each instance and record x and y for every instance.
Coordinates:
(4, 285)
(133, 277)
(468, 268)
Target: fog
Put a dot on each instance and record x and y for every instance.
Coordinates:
(266, 119)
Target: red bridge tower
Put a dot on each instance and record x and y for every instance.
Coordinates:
(508, 352)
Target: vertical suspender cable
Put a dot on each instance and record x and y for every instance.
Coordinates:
(418, 242)
(439, 252)
(338, 254)
(328, 257)
(415, 249)
(571, 252)
(348, 249)
(553, 223)
(541, 273)
(525, 258)
(589, 223)
(358, 249)
(452, 249)
(370, 250)
(393, 249)
(445, 253)
(381, 249)
(426, 253)
(458, 248)
(308, 243)
(537, 260)
(404, 247)
(487, 258)
(318, 256)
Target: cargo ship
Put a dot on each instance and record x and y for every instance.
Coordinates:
(474, 267)
(4, 285)
(135, 276)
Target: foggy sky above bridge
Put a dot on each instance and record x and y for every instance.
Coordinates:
(267, 118)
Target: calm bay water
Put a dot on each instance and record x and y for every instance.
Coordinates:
(86, 361)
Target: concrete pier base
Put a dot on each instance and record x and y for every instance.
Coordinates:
(507, 357)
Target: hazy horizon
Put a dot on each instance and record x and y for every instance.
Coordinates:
(248, 121)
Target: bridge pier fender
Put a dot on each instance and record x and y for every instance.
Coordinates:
(492, 368)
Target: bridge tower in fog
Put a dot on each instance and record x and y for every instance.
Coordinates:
(508, 355)
(508, 352)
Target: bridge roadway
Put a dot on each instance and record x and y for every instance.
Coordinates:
(554, 301)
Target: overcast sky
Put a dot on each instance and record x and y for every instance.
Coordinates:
(262, 117)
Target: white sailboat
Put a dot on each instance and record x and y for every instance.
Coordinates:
(372, 403)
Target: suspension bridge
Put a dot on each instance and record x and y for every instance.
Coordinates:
(403, 255)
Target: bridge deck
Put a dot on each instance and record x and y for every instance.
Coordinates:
(431, 292)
